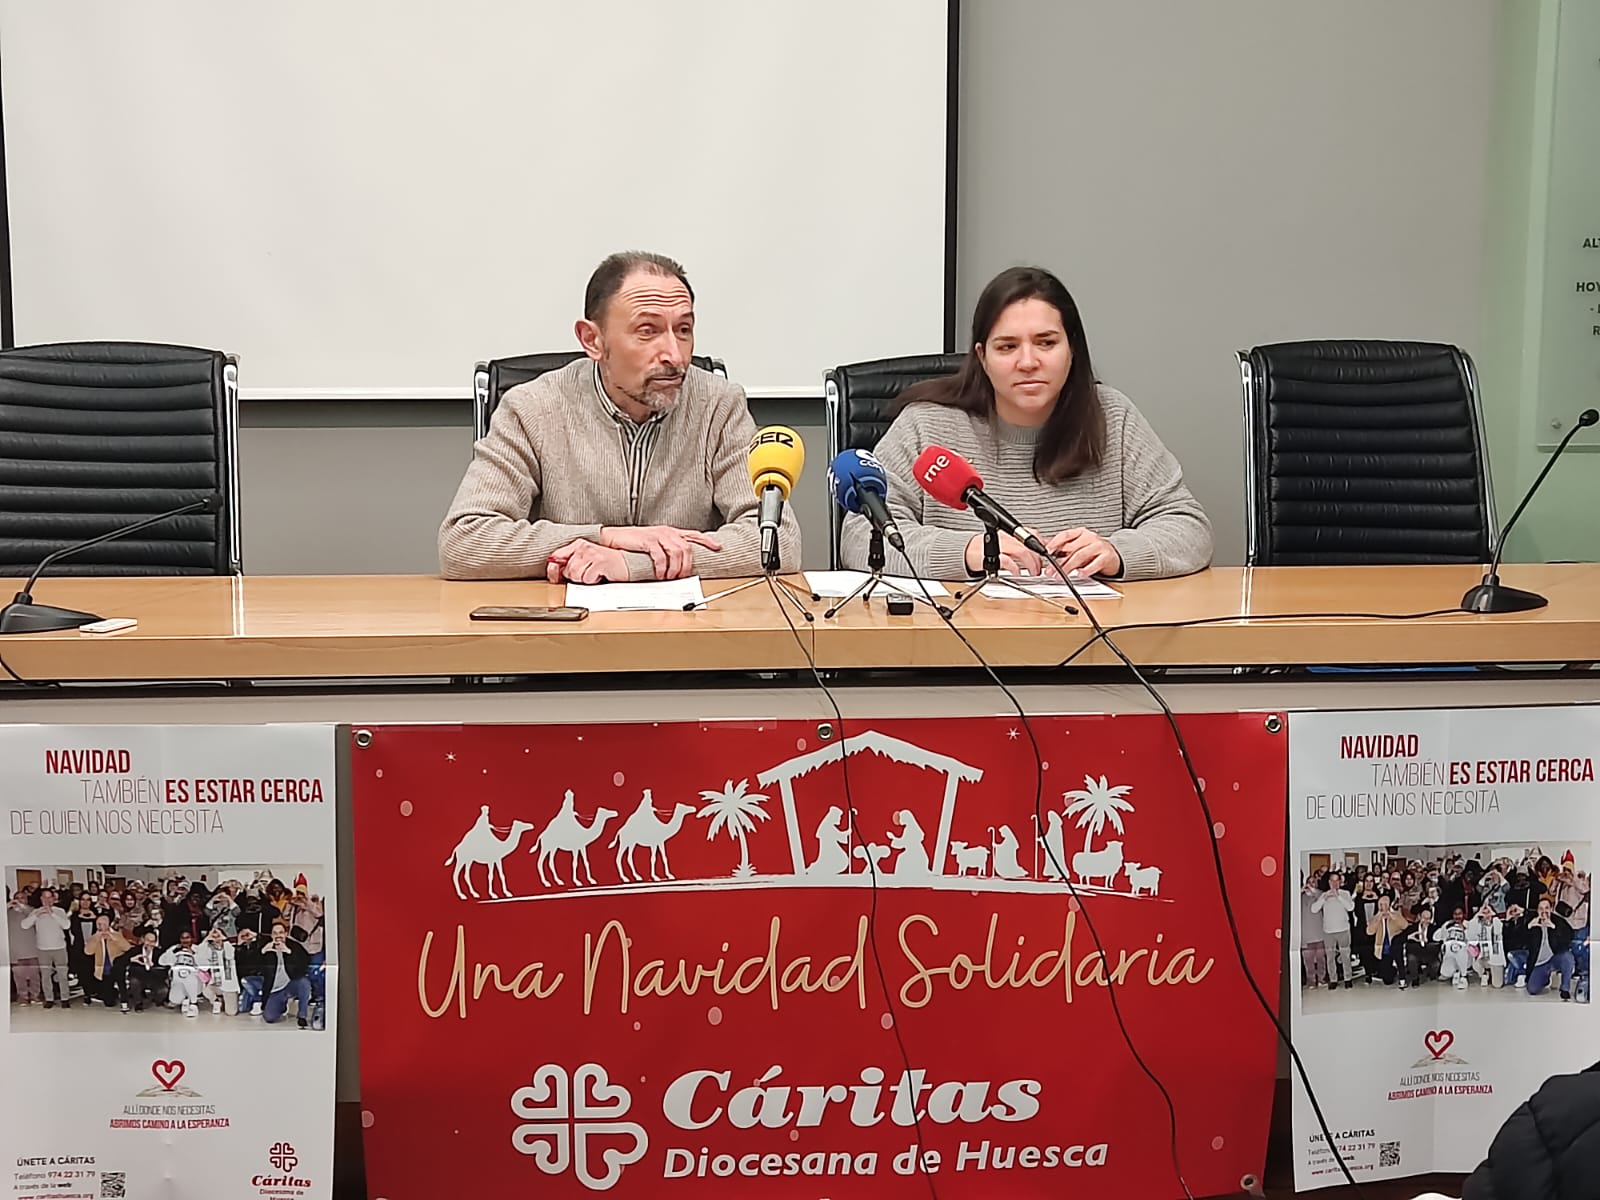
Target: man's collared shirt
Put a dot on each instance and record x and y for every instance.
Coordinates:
(637, 441)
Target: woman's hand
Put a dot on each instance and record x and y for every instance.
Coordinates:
(1084, 551)
(1015, 558)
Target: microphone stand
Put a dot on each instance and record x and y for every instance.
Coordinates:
(1492, 596)
(25, 615)
(991, 571)
(874, 579)
(771, 565)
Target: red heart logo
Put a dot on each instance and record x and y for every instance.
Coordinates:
(167, 1073)
(1438, 1041)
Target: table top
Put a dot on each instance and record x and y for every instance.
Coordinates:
(378, 626)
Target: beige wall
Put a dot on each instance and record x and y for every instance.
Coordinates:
(1206, 177)
(360, 487)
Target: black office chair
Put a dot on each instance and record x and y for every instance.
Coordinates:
(859, 406)
(1364, 452)
(493, 379)
(94, 435)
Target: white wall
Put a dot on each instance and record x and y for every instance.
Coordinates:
(1206, 177)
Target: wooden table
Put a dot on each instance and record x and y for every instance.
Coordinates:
(372, 627)
(364, 630)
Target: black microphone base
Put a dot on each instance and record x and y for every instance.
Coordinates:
(1497, 598)
(19, 617)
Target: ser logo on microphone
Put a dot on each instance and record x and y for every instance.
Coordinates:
(934, 468)
(773, 437)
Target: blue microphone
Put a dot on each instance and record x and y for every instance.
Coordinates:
(860, 485)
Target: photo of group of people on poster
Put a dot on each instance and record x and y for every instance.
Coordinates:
(1499, 923)
(169, 943)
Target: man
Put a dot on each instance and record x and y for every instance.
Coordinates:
(24, 950)
(49, 925)
(1546, 1148)
(626, 464)
(1549, 946)
(1417, 948)
(140, 973)
(1313, 950)
(283, 967)
(1335, 904)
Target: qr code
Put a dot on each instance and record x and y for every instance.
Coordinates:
(1389, 1154)
(113, 1185)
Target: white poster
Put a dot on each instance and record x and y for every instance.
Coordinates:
(170, 938)
(1440, 924)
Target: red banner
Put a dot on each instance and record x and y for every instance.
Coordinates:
(651, 959)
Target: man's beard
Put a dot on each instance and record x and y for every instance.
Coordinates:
(658, 399)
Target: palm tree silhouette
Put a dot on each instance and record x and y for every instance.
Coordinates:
(735, 809)
(1095, 805)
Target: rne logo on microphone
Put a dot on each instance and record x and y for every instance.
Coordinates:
(773, 437)
(934, 468)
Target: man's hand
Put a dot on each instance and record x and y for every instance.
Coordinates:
(671, 550)
(1015, 558)
(584, 561)
(1084, 551)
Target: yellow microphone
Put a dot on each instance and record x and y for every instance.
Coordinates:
(776, 457)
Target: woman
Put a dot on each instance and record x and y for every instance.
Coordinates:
(1487, 944)
(1071, 458)
(219, 971)
(1380, 949)
(1410, 892)
(223, 912)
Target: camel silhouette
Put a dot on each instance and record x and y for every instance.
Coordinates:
(480, 844)
(644, 828)
(566, 832)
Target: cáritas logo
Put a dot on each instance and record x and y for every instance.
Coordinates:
(283, 1159)
(574, 1121)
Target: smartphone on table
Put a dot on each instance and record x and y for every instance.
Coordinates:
(501, 612)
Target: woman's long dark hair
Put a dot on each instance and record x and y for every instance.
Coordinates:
(1073, 439)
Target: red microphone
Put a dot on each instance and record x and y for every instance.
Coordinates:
(955, 483)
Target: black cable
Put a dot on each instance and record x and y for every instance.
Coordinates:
(872, 869)
(1103, 634)
(1060, 869)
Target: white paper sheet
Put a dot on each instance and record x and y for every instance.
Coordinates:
(660, 595)
(1088, 587)
(835, 585)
